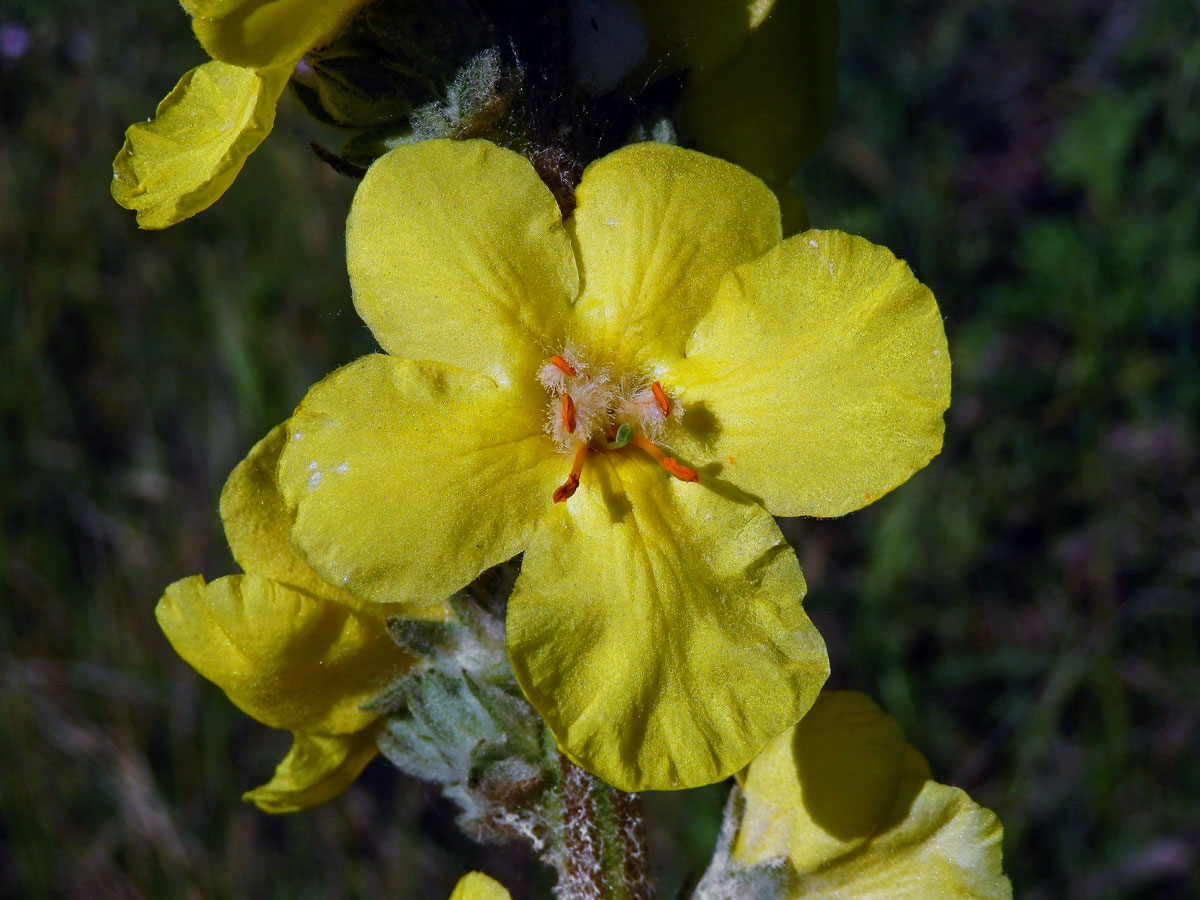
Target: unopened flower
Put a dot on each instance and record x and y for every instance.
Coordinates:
(759, 76)
(625, 397)
(290, 649)
(767, 105)
(853, 810)
(178, 163)
(701, 34)
(477, 886)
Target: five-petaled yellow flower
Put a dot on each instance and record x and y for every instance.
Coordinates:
(289, 648)
(187, 156)
(664, 367)
(852, 808)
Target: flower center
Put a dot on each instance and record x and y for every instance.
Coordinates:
(591, 411)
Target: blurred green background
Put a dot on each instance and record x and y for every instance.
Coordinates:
(1027, 606)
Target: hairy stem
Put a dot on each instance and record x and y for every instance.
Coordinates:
(603, 853)
(631, 832)
(581, 876)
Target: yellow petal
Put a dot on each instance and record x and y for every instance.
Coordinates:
(700, 33)
(258, 527)
(261, 33)
(179, 163)
(853, 809)
(820, 376)
(409, 479)
(768, 106)
(316, 769)
(477, 886)
(657, 227)
(850, 758)
(287, 658)
(457, 254)
(657, 627)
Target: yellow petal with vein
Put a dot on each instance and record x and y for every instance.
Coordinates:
(457, 254)
(854, 810)
(187, 156)
(657, 227)
(657, 627)
(316, 769)
(409, 479)
(262, 33)
(818, 378)
(258, 526)
(289, 659)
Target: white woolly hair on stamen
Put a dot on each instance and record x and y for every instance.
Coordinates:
(554, 379)
(637, 407)
(592, 397)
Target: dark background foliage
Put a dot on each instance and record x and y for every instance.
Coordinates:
(1027, 606)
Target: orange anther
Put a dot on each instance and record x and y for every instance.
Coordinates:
(567, 489)
(679, 470)
(660, 399)
(672, 465)
(563, 366)
(568, 413)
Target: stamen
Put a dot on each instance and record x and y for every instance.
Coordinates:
(660, 399)
(567, 489)
(568, 413)
(672, 465)
(563, 366)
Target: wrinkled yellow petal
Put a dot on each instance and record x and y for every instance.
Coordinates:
(179, 163)
(477, 886)
(702, 33)
(316, 769)
(850, 758)
(261, 33)
(657, 227)
(457, 254)
(657, 627)
(258, 526)
(287, 658)
(820, 376)
(408, 479)
(853, 809)
(768, 106)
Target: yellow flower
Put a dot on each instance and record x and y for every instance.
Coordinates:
(477, 886)
(853, 809)
(657, 623)
(179, 163)
(287, 647)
